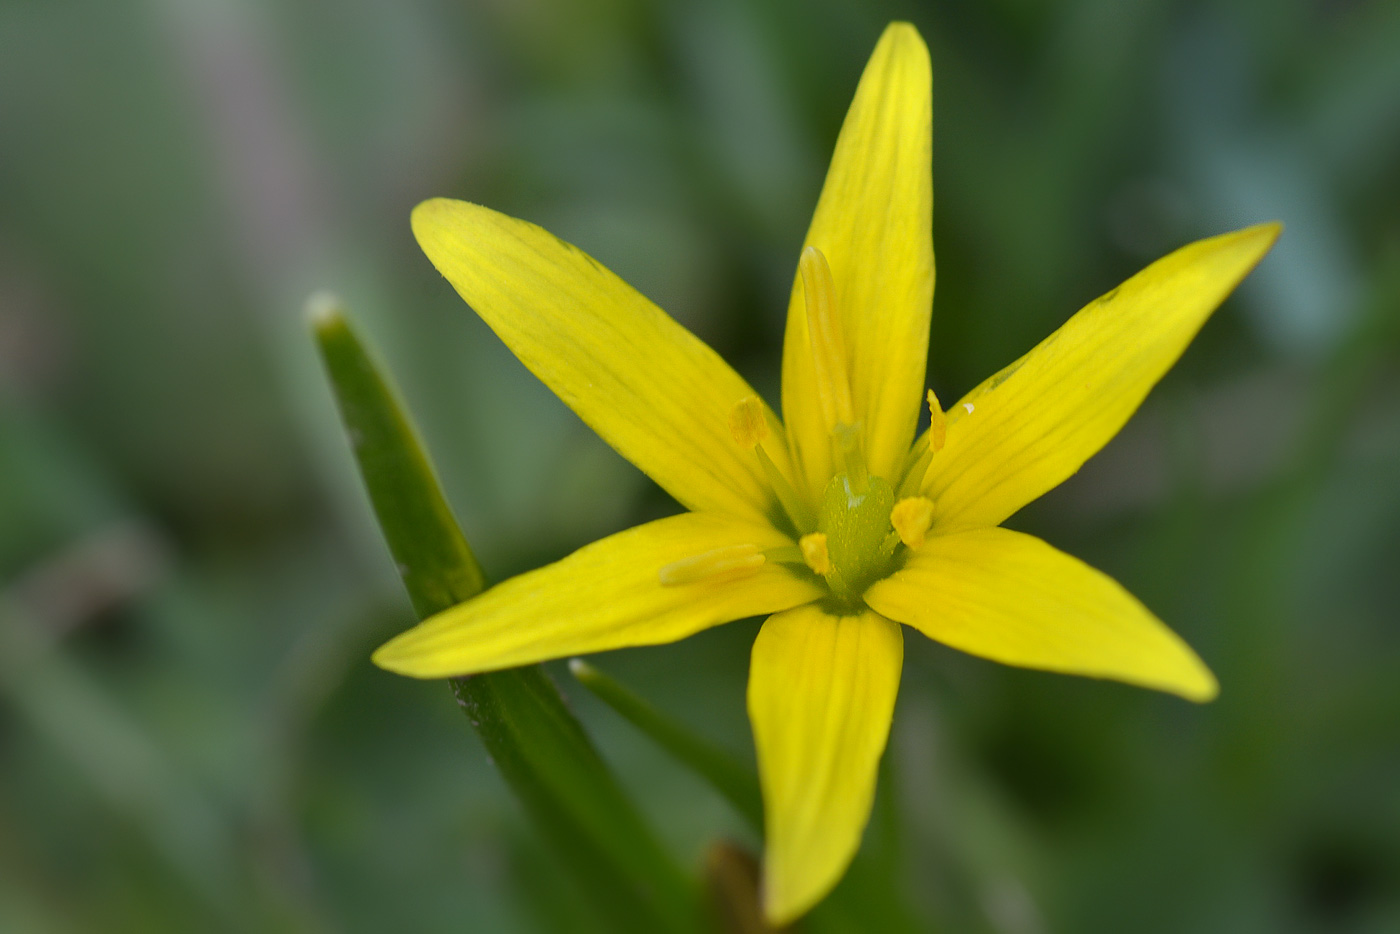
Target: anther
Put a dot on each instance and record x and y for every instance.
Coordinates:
(748, 423)
(911, 518)
(720, 564)
(824, 333)
(937, 426)
(814, 552)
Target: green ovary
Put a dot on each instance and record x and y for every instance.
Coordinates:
(860, 542)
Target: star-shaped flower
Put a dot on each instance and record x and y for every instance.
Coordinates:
(835, 520)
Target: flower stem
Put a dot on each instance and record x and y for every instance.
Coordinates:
(736, 783)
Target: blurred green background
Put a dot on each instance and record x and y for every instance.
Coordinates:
(191, 734)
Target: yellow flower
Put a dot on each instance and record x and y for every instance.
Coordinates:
(835, 520)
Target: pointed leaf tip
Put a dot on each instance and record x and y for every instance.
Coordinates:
(324, 310)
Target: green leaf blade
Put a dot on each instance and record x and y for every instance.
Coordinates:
(437, 566)
(537, 744)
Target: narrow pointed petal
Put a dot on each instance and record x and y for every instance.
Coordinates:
(1029, 427)
(1014, 599)
(821, 697)
(874, 223)
(607, 595)
(650, 388)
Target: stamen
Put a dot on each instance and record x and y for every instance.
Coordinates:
(784, 554)
(911, 518)
(828, 344)
(720, 564)
(937, 437)
(814, 552)
(938, 424)
(748, 423)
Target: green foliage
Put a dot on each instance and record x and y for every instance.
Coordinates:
(434, 561)
(532, 738)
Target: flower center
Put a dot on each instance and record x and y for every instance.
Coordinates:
(856, 533)
(859, 527)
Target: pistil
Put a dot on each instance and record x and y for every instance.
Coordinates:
(859, 544)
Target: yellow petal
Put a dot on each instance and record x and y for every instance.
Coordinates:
(1014, 599)
(1029, 427)
(874, 223)
(821, 696)
(649, 387)
(606, 595)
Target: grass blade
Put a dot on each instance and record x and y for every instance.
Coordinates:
(538, 745)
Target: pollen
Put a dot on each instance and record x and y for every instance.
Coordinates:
(911, 518)
(938, 424)
(719, 564)
(828, 343)
(814, 552)
(747, 422)
(969, 406)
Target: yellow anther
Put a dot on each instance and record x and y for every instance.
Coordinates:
(938, 424)
(720, 564)
(748, 423)
(828, 344)
(814, 552)
(911, 518)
